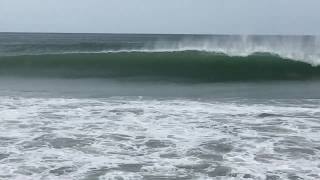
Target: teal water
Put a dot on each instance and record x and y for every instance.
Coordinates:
(183, 66)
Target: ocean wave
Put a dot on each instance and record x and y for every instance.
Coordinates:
(313, 59)
(300, 48)
(164, 65)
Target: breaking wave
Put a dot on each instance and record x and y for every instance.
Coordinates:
(166, 57)
(162, 65)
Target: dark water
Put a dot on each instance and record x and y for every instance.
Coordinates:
(183, 66)
(107, 106)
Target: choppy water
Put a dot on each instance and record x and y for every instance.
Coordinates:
(138, 138)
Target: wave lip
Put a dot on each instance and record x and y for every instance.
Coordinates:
(300, 48)
(195, 66)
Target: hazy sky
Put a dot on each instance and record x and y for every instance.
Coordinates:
(162, 16)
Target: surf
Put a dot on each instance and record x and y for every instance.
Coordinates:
(198, 66)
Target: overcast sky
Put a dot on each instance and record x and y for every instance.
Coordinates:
(162, 16)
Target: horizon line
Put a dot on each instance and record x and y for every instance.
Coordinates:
(122, 33)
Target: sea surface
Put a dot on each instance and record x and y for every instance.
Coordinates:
(159, 107)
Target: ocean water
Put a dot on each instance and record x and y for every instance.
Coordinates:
(159, 107)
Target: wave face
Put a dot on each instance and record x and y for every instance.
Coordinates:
(191, 57)
(189, 65)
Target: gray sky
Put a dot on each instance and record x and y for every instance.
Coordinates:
(162, 16)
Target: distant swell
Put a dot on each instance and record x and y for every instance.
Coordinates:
(197, 66)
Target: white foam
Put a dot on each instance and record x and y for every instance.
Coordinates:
(109, 132)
